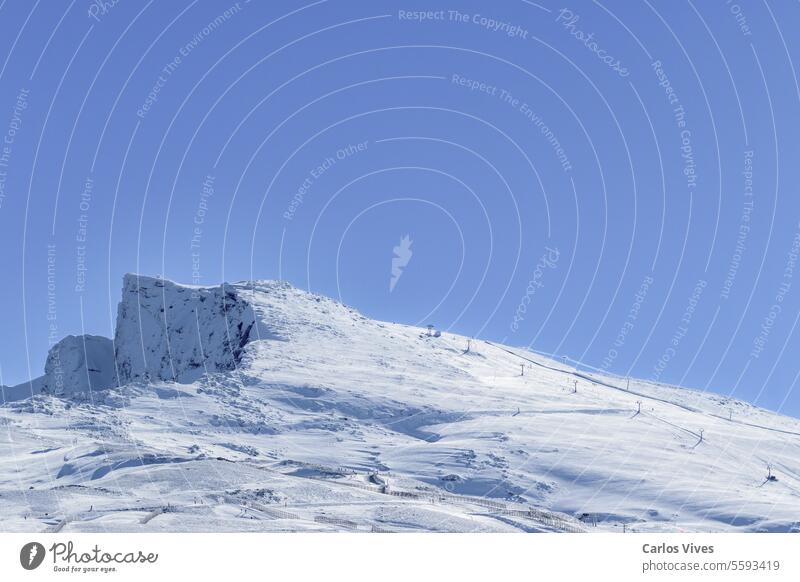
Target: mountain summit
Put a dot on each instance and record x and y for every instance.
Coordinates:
(258, 406)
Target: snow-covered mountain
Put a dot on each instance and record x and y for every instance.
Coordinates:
(258, 406)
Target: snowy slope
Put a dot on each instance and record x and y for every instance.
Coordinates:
(293, 412)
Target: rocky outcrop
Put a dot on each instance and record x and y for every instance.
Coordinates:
(176, 333)
(79, 364)
(164, 332)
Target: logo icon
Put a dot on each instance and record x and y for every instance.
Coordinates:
(31, 555)
(402, 255)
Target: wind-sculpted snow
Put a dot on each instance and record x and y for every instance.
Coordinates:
(256, 406)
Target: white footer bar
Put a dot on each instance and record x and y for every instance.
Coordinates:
(389, 557)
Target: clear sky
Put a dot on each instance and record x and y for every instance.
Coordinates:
(615, 182)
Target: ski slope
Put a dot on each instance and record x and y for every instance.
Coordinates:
(256, 406)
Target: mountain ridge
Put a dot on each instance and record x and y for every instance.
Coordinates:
(347, 420)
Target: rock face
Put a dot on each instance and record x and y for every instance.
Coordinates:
(177, 333)
(164, 332)
(79, 364)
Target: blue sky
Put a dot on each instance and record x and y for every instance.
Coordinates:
(615, 181)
